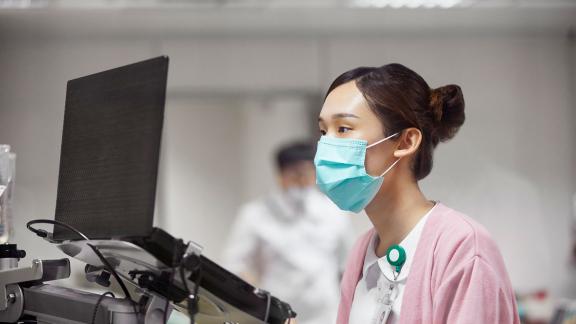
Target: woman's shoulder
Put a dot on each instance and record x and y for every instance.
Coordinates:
(458, 236)
(456, 246)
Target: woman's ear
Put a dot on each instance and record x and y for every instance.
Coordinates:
(408, 142)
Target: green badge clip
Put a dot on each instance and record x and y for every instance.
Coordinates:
(396, 256)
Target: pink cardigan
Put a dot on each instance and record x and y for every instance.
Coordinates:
(457, 276)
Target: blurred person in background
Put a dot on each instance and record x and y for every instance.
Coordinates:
(294, 241)
(422, 262)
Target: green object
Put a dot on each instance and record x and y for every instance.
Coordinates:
(396, 256)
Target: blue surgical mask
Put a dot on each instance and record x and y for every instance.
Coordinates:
(341, 174)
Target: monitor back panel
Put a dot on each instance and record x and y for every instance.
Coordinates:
(110, 151)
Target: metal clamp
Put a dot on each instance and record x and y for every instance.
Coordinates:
(17, 275)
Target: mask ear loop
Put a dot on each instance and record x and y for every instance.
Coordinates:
(390, 168)
(382, 140)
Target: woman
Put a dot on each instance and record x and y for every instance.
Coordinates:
(422, 262)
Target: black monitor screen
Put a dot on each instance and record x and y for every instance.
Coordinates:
(110, 151)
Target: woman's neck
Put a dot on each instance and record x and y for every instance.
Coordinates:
(395, 211)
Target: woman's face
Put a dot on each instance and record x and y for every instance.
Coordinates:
(346, 114)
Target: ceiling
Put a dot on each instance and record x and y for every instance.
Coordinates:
(69, 18)
(285, 3)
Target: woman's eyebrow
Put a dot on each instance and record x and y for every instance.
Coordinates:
(340, 115)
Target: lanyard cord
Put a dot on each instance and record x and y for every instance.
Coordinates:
(385, 298)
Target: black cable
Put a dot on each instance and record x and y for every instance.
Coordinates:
(112, 271)
(43, 233)
(166, 311)
(196, 300)
(189, 300)
(263, 293)
(165, 318)
(98, 302)
(175, 259)
(192, 302)
(117, 277)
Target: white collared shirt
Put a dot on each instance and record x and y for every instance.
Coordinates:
(377, 276)
(296, 252)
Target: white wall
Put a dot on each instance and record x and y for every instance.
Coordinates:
(216, 155)
(511, 167)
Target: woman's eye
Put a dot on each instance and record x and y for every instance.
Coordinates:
(343, 129)
(323, 132)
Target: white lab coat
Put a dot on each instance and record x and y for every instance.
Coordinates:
(297, 251)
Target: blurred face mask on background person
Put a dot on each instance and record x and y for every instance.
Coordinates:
(297, 196)
(341, 174)
(298, 182)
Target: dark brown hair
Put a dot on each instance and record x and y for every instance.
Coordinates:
(402, 99)
(291, 153)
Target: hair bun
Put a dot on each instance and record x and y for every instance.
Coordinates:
(447, 104)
